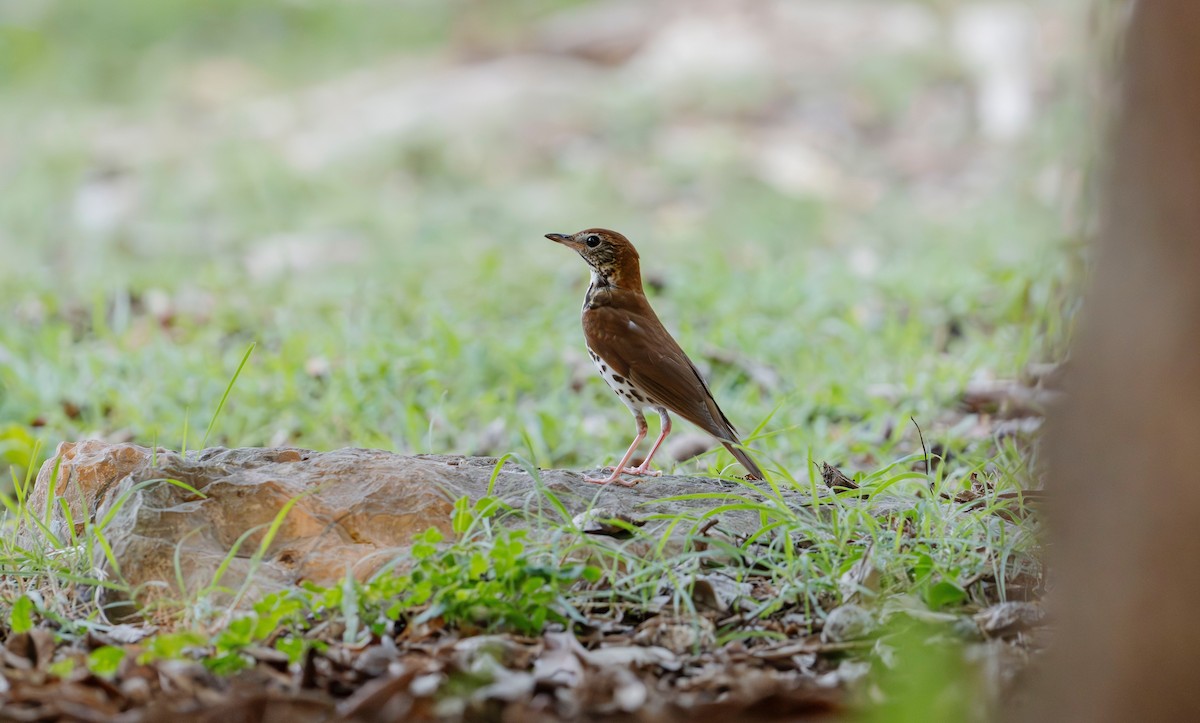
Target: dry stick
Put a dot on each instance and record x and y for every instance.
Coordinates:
(924, 449)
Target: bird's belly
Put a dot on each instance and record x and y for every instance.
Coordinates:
(634, 398)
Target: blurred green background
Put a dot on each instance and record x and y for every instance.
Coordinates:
(847, 209)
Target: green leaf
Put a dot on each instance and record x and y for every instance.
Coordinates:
(350, 608)
(171, 646)
(292, 646)
(532, 585)
(237, 634)
(425, 544)
(421, 593)
(105, 660)
(923, 567)
(943, 594)
(394, 610)
(479, 565)
(486, 507)
(227, 664)
(62, 668)
(21, 618)
(461, 521)
(264, 626)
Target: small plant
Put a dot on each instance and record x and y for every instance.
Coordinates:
(20, 618)
(497, 587)
(477, 583)
(105, 660)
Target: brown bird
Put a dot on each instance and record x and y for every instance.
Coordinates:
(636, 355)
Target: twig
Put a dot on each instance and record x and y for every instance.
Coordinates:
(924, 449)
(787, 650)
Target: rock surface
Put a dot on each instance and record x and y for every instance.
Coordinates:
(351, 510)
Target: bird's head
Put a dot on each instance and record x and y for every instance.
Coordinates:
(613, 259)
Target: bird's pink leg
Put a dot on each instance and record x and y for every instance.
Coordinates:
(644, 467)
(616, 471)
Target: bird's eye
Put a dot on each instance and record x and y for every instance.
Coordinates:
(592, 241)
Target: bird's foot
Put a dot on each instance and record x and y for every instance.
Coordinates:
(644, 472)
(614, 478)
(639, 471)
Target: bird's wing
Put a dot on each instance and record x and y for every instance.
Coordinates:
(637, 346)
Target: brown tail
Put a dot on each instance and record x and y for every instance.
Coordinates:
(705, 414)
(744, 458)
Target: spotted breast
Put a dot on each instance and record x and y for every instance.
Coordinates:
(633, 398)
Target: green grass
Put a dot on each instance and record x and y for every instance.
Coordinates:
(419, 309)
(442, 336)
(927, 549)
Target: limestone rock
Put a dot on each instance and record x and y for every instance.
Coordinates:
(348, 511)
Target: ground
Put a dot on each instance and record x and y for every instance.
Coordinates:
(861, 219)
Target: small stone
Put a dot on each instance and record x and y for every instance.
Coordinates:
(136, 689)
(677, 635)
(848, 622)
(682, 447)
(1007, 618)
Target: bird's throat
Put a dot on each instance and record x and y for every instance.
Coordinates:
(599, 287)
(611, 283)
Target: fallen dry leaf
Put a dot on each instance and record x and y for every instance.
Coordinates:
(836, 479)
(632, 655)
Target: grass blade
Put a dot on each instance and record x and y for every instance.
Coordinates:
(228, 388)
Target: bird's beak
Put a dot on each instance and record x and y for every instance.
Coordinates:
(563, 239)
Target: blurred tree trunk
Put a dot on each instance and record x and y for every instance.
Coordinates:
(1125, 449)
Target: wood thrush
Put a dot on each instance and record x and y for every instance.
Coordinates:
(637, 356)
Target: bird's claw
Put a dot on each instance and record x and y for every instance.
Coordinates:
(639, 471)
(611, 479)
